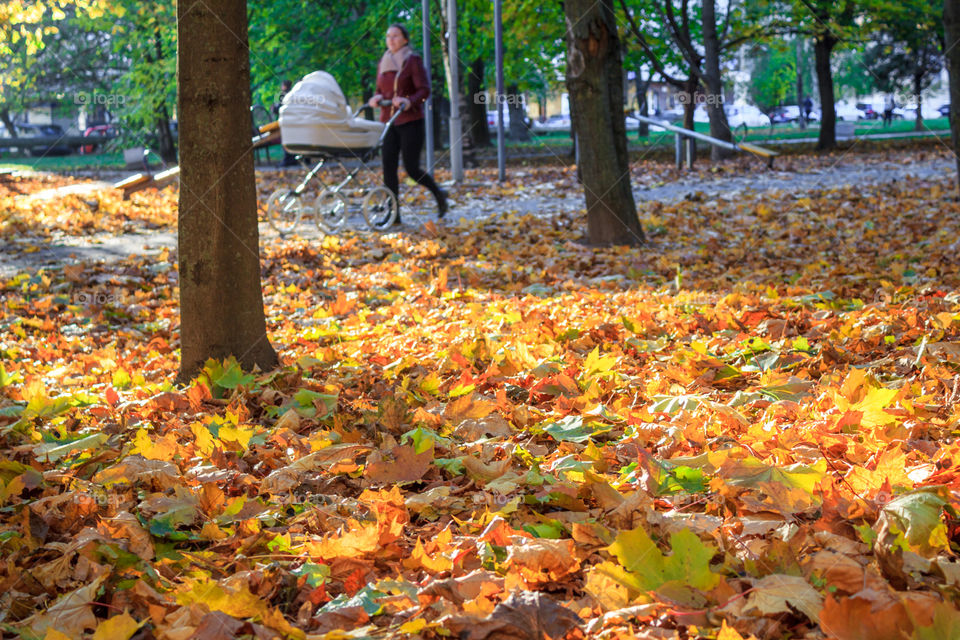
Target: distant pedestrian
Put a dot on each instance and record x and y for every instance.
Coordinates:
(888, 106)
(808, 107)
(289, 160)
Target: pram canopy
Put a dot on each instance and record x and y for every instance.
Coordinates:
(314, 117)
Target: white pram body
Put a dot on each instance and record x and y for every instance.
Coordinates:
(315, 118)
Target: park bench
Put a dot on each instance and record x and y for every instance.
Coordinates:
(267, 135)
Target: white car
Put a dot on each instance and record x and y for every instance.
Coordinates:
(737, 115)
(848, 112)
(746, 114)
(909, 112)
(553, 123)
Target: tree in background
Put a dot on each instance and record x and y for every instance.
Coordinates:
(221, 301)
(951, 47)
(595, 83)
(36, 60)
(828, 22)
(906, 48)
(774, 75)
(144, 46)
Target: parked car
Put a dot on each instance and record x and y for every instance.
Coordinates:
(848, 112)
(791, 113)
(27, 130)
(928, 112)
(745, 114)
(869, 113)
(944, 110)
(737, 115)
(553, 123)
(107, 130)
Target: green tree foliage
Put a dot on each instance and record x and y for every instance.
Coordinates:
(774, 75)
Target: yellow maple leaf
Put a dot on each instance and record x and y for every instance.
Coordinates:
(119, 627)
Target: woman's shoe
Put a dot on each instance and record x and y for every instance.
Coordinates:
(442, 205)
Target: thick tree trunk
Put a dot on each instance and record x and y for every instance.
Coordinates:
(951, 45)
(918, 94)
(822, 47)
(518, 114)
(719, 127)
(477, 107)
(8, 123)
(641, 85)
(595, 85)
(803, 114)
(689, 107)
(221, 302)
(166, 148)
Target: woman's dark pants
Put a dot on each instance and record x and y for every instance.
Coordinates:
(406, 140)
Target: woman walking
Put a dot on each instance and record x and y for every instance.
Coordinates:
(402, 80)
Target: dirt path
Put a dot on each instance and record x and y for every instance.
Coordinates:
(545, 199)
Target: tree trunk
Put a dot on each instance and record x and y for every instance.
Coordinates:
(822, 47)
(803, 114)
(477, 108)
(918, 94)
(221, 301)
(8, 123)
(643, 129)
(719, 127)
(518, 114)
(595, 85)
(166, 148)
(951, 45)
(689, 107)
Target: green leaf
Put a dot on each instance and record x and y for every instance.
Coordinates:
(316, 574)
(308, 400)
(689, 564)
(915, 521)
(366, 598)
(572, 429)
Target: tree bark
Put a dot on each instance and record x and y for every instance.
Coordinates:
(595, 86)
(803, 114)
(166, 148)
(918, 94)
(8, 123)
(689, 107)
(951, 45)
(822, 47)
(719, 127)
(518, 114)
(641, 86)
(477, 107)
(221, 301)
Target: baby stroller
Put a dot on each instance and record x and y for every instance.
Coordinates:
(317, 125)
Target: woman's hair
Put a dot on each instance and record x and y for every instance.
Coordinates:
(402, 29)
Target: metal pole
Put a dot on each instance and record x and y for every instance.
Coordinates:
(690, 148)
(456, 133)
(428, 105)
(678, 150)
(501, 142)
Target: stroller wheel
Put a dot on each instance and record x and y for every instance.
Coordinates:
(284, 209)
(380, 208)
(331, 210)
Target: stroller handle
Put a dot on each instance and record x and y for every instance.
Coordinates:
(383, 103)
